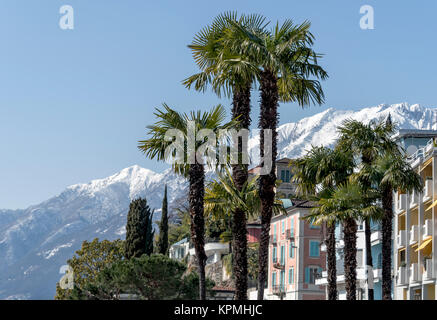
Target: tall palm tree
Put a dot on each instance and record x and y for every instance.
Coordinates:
(228, 73)
(390, 172)
(345, 203)
(316, 174)
(286, 64)
(157, 147)
(367, 141)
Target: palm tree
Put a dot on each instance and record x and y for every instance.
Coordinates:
(390, 172)
(346, 203)
(316, 174)
(223, 198)
(286, 64)
(157, 147)
(229, 74)
(368, 141)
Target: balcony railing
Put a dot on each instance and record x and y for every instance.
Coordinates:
(427, 192)
(279, 289)
(402, 276)
(427, 229)
(279, 265)
(427, 272)
(289, 234)
(401, 203)
(414, 234)
(414, 201)
(402, 238)
(414, 273)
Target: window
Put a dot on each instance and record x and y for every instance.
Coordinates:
(314, 249)
(282, 255)
(291, 249)
(273, 279)
(292, 227)
(282, 279)
(283, 226)
(274, 258)
(285, 175)
(291, 275)
(312, 273)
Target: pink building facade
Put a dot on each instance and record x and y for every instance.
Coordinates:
(295, 258)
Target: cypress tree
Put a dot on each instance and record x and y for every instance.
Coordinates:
(139, 229)
(163, 226)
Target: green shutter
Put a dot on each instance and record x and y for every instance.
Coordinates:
(287, 176)
(307, 275)
(283, 175)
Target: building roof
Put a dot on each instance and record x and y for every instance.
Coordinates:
(184, 240)
(417, 133)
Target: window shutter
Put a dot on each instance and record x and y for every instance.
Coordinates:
(282, 175)
(287, 176)
(307, 275)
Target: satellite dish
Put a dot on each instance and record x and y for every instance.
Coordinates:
(411, 150)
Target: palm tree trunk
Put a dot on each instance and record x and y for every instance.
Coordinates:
(350, 258)
(268, 120)
(387, 202)
(332, 262)
(196, 195)
(240, 109)
(369, 260)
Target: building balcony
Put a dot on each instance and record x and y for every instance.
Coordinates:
(289, 234)
(402, 239)
(414, 201)
(279, 290)
(376, 236)
(401, 203)
(427, 192)
(402, 276)
(427, 272)
(427, 229)
(414, 273)
(414, 234)
(280, 265)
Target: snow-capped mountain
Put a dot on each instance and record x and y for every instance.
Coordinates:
(37, 241)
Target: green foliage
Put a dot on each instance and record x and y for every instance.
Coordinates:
(253, 261)
(163, 226)
(181, 229)
(139, 229)
(87, 263)
(150, 277)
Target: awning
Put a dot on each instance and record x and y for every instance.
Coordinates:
(432, 206)
(427, 162)
(425, 244)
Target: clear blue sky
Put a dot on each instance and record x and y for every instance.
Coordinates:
(74, 103)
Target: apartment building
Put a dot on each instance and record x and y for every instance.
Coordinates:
(415, 223)
(295, 258)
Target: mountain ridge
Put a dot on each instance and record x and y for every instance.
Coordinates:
(35, 242)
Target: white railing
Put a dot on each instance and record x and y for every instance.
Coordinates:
(402, 238)
(376, 236)
(414, 272)
(402, 276)
(414, 234)
(401, 202)
(414, 199)
(427, 229)
(429, 146)
(427, 192)
(427, 272)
